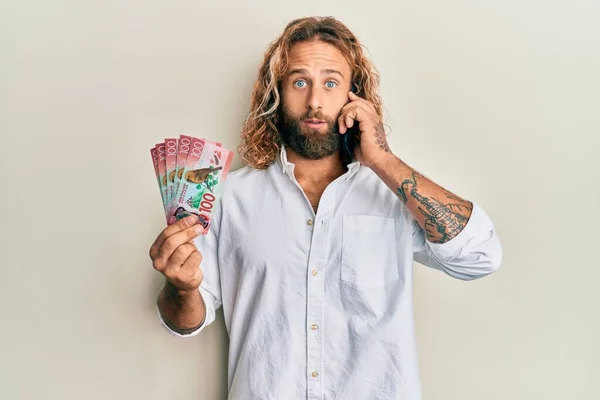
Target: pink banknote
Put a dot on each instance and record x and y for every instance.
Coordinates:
(171, 164)
(190, 172)
(162, 173)
(202, 181)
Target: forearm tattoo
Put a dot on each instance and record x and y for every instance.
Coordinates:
(443, 219)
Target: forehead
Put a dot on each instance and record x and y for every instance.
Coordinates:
(318, 55)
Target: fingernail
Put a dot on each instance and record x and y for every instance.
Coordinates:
(192, 219)
(198, 228)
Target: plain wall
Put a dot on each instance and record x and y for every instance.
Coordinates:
(495, 100)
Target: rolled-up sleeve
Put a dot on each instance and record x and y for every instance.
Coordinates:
(210, 288)
(474, 253)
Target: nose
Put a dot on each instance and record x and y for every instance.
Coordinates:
(315, 99)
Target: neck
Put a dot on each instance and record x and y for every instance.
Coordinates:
(316, 172)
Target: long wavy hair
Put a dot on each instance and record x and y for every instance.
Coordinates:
(261, 140)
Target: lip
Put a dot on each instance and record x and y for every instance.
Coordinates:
(314, 122)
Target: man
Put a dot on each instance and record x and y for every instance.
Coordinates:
(311, 257)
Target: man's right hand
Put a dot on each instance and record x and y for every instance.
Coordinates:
(175, 256)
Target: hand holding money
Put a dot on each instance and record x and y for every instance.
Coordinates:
(175, 256)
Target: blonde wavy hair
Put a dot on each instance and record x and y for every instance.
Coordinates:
(261, 141)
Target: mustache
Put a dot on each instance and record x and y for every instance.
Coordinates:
(315, 115)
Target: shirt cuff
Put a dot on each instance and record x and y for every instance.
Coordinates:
(209, 317)
(450, 250)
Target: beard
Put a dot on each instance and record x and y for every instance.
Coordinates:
(308, 142)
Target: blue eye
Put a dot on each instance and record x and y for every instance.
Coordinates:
(330, 84)
(297, 83)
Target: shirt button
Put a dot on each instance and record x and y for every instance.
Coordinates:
(314, 272)
(309, 222)
(314, 374)
(314, 327)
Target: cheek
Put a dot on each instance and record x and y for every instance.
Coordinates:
(336, 104)
(336, 110)
(294, 103)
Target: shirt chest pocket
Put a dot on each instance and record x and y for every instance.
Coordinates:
(369, 255)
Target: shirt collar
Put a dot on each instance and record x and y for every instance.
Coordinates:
(288, 167)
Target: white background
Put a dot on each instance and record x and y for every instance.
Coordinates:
(496, 100)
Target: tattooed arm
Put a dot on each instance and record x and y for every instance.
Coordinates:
(440, 213)
(443, 216)
(475, 251)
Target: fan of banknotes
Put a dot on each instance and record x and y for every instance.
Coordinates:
(190, 173)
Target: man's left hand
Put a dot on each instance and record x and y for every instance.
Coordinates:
(371, 144)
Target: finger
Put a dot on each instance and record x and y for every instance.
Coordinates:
(360, 103)
(193, 262)
(341, 118)
(179, 238)
(352, 108)
(189, 276)
(354, 98)
(175, 262)
(350, 117)
(170, 230)
(192, 271)
(348, 109)
(179, 226)
(345, 119)
(174, 241)
(363, 103)
(180, 254)
(341, 124)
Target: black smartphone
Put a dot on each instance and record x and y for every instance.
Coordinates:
(349, 139)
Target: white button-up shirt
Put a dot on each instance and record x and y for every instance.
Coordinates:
(320, 306)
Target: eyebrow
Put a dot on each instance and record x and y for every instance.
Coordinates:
(325, 71)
